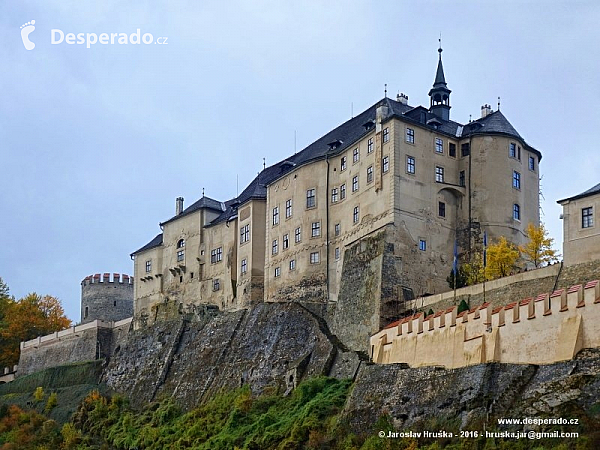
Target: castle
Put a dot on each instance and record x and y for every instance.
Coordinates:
(409, 174)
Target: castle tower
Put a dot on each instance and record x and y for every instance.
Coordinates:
(439, 93)
(105, 299)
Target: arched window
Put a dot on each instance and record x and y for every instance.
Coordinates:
(181, 243)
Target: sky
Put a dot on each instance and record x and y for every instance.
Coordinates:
(96, 143)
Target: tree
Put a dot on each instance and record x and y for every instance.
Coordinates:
(26, 319)
(474, 270)
(502, 259)
(538, 250)
(461, 278)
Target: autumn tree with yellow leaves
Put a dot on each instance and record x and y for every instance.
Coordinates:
(502, 258)
(538, 250)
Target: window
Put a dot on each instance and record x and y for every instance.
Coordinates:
(370, 145)
(465, 149)
(355, 183)
(516, 212)
(452, 150)
(87, 310)
(216, 284)
(410, 135)
(512, 150)
(310, 198)
(180, 255)
(334, 195)
(410, 164)
(286, 241)
(355, 215)
(439, 174)
(369, 174)
(337, 253)
(338, 229)
(519, 153)
(298, 235)
(386, 135)
(441, 209)
(274, 247)
(216, 255)
(181, 243)
(439, 145)
(531, 163)
(587, 217)
(343, 163)
(316, 229)
(355, 155)
(385, 162)
(461, 178)
(276, 215)
(292, 264)
(288, 208)
(149, 266)
(422, 245)
(342, 192)
(244, 233)
(277, 272)
(516, 180)
(314, 258)
(244, 267)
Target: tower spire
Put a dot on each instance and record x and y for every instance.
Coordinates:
(439, 93)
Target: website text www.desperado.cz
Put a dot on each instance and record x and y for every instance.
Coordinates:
(58, 37)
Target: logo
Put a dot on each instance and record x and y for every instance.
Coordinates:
(26, 30)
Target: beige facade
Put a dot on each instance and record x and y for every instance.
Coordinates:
(426, 180)
(540, 330)
(581, 232)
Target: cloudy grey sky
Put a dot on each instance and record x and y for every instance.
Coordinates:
(96, 144)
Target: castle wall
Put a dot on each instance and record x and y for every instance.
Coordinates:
(105, 298)
(540, 330)
(250, 282)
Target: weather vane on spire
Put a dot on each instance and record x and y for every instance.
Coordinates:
(440, 47)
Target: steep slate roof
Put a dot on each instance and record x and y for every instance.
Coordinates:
(158, 240)
(591, 191)
(348, 133)
(204, 202)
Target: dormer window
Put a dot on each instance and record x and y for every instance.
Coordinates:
(368, 124)
(335, 144)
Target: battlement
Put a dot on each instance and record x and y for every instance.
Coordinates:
(535, 330)
(117, 278)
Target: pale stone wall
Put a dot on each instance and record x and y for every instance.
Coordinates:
(540, 330)
(250, 285)
(580, 244)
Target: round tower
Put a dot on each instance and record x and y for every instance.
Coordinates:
(106, 299)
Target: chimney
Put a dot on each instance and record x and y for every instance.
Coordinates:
(178, 205)
(402, 98)
(485, 110)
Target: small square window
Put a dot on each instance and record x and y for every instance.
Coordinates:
(355, 155)
(338, 229)
(422, 244)
(180, 255)
(516, 180)
(343, 163)
(355, 215)
(441, 209)
(277, 272)
(385, 163)
(216, 255)
(355, 183)
(316, 229)
(386, 135)
(439, 145)
(587, 217)
(410, 135)
(410, 164)
(216, 284)
(516, 212)
(452, 150)
(439, 174)
(342, 192)
(298, 235)
(311, 200)
(369, 174)
(370, 145)
(314, 258)
(292, 264)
